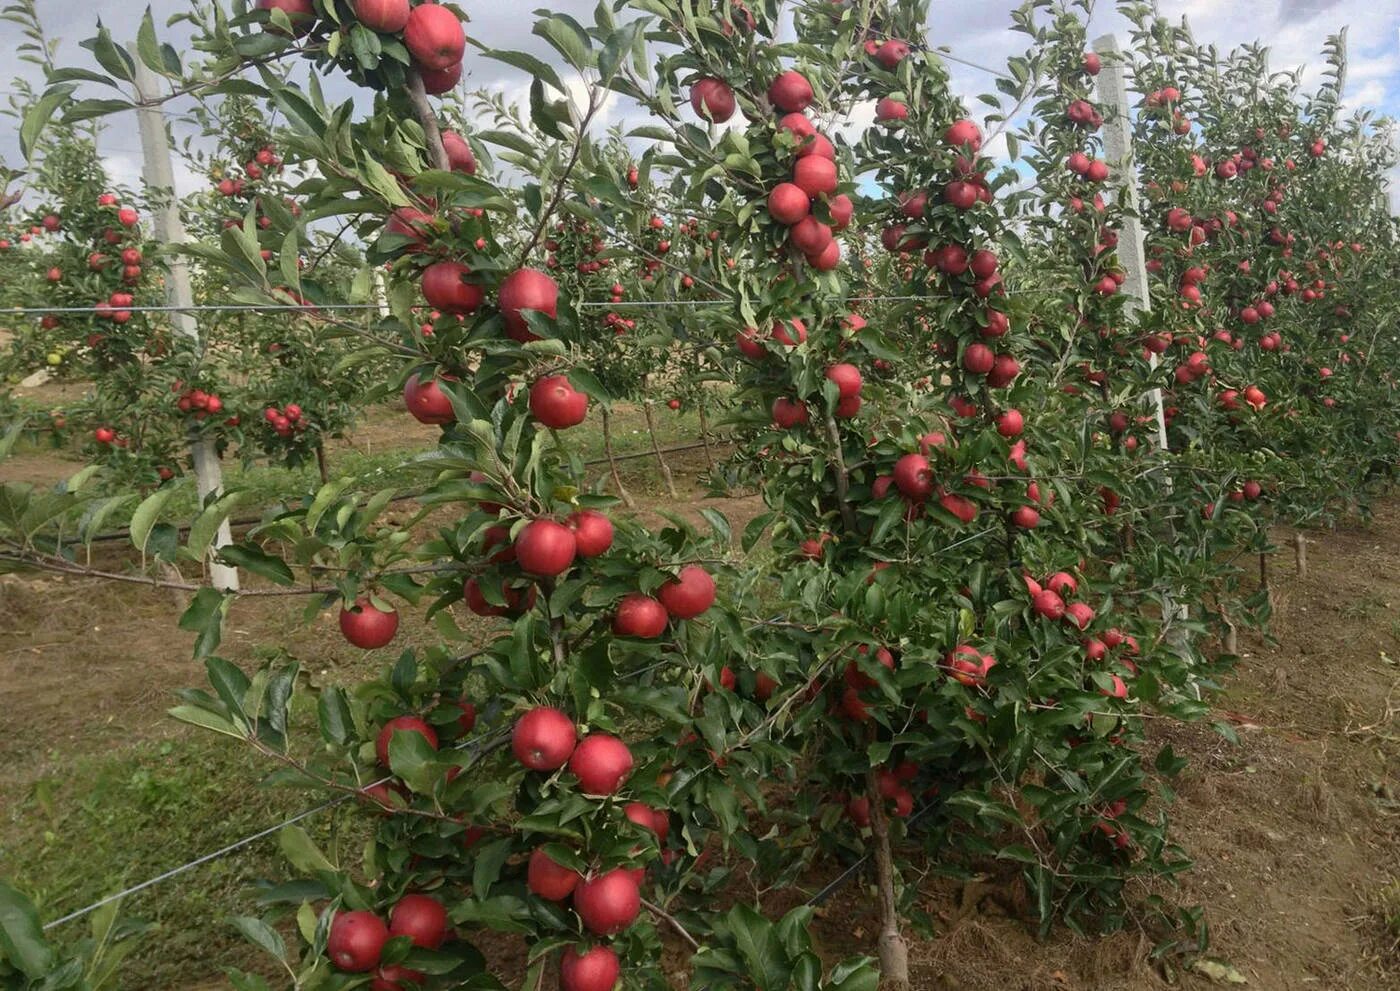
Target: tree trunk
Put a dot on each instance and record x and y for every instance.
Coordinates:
(1231, 642)
(1300, 554)
(622, 492)
(894, 952)
(656, 447)
(705, 438)
(321, 462)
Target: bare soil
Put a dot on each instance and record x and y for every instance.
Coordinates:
(1295, 831)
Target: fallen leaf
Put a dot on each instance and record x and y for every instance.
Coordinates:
(1218, 971)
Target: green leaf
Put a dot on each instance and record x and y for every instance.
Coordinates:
(147, 47)
(489, 859)
(260, 934)
(207, 524)
(21, 937)
(38, 117)
(301, 852)
(530, 65)
(205, 616)
(253, 558)
(205, 719)
(333, 714)
(144, 518)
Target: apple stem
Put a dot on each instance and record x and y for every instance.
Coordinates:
(894, 952)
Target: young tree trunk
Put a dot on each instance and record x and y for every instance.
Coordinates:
(656, 447)
(622, 492)
(1231, 642)
(321, 462)
(705, 437)
(894, 952)
(1300, 554)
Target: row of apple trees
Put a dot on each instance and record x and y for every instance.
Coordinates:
(989, 557)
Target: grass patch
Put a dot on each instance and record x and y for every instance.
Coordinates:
(112, 820)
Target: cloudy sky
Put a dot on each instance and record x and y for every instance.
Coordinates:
(976, 32)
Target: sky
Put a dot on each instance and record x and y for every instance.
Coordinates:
(975, 32)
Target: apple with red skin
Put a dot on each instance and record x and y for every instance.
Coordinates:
(446, 289)
(601, 763)
(892, 52)
(384, 16)
(460, 157)
(593, 532)
(527, 289)
(439, 81)
(847, 378)
(545, 548)
(597, 969)
(689, 594)
(788, 413)
(402, 724)
(556, 403)
(422, 919)
(810, 236)
(355, 941)
(366, 627)
(548, 879)
(1025, 517)
(815, 176)
(409, 222)
(978, 359)
(913, 478)
(1092, 63)
(427, 402)
(434, 37)
(842, 211)
(1010, 423)
(608, 903)
(961, 194)
(964, 133)
(543, 739)
(299, 12)
(127, 215)
(887, 108)
(712, 99)
(1047, 603)
(791, 92)
(787, 203)
(1062, 583)
(648, 818)
(1080, 614)
(640, 615)
(395, 977)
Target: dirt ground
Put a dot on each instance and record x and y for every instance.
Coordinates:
(1295, 831)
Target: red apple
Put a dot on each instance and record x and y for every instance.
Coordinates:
(964, 133)
(556, 403)
(356, 940)
(545, 548)
(608, 903)
(595, 970)
(460, 157)
(543, 739)
(421, 918)
(527, 289)
(1047, 603)
(712, 99)
(601, 763)
(689, 594)
(548, 879)
(434, 37)
(787, 204)
(788, 413)
(384, 16)
(810, 236)
(366, 627)
(791, 92)
(1010, 423)
(446, 289)
(427, 402)
(402, 724)
(913, 478)
(641, 616)
(439, 81)
(815, 176)
(593, 532)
